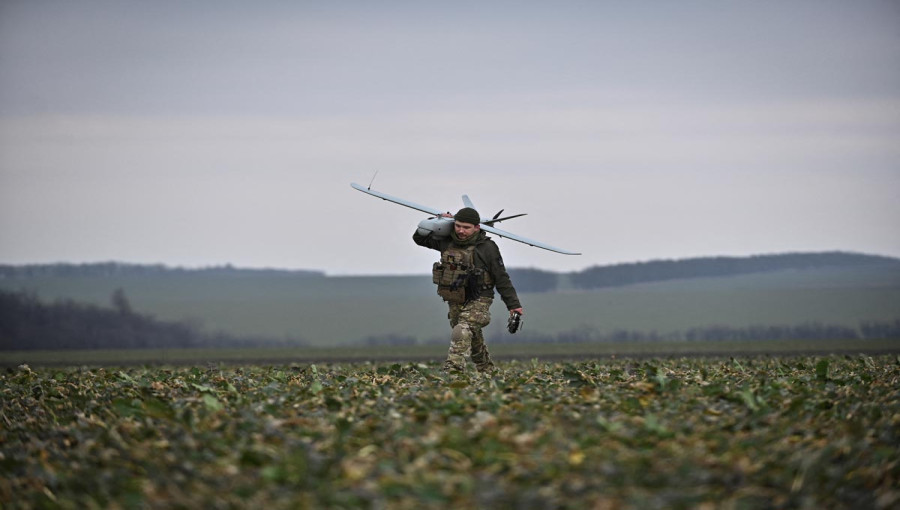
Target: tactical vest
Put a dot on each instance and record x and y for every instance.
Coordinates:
(456, 276)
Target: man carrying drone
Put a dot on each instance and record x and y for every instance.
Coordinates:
(469, 269)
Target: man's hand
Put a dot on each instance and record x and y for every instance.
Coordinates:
(520, 311)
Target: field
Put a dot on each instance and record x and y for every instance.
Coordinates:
(336, 311)
(437, 352)
(746, 432)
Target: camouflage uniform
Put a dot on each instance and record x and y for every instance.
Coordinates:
(467, 319)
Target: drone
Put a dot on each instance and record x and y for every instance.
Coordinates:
(441, 226)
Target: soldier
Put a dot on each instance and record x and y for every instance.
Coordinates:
(470, 268)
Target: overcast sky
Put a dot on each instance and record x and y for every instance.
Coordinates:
(205, 133)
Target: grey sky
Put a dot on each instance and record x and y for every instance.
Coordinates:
(198, 133)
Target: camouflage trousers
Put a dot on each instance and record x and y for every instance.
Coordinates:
(467, 320)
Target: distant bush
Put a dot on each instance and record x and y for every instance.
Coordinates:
(875, 329)
(811, 331)
(388, 340)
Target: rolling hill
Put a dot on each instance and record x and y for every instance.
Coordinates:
(657, 299)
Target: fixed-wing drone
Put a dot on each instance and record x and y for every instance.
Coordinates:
(441, 226)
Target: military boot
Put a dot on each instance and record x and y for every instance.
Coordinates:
(451, 367)
(482, 359)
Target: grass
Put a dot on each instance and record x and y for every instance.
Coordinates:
(746, 432)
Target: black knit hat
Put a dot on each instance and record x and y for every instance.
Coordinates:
(468, 215)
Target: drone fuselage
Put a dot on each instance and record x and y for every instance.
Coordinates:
(437, 226)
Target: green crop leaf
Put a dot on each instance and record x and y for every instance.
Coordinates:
(127, 407)
(202, 387)
(653, 425)
(822, 370)
(662, 381)
(749, 398)
(156, 408)
(211, 402)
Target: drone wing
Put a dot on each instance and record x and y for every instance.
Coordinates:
(514, 237)
(389, 198)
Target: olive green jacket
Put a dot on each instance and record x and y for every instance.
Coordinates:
(487, 257)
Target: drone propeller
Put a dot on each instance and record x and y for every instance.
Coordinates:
(497, 219)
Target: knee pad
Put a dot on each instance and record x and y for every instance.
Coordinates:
(461, 332)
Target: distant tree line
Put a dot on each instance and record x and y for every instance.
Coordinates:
(28, 324)
(618, 275)
(660, 270)
(111, 269)
(868, 330)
